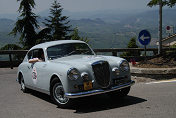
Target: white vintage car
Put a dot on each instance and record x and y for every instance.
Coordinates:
(69, 69)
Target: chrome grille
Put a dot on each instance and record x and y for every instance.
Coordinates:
(102, 73)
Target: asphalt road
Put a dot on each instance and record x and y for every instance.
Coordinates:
(155, 100)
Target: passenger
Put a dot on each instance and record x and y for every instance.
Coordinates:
(40, 57)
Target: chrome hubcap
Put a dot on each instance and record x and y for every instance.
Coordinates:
(59, 95)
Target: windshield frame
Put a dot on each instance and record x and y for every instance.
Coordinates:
(93, 53)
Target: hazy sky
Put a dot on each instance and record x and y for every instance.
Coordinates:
(11, 6)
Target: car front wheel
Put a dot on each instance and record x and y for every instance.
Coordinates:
(58, 94)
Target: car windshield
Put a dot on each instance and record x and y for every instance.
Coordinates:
(68, 49)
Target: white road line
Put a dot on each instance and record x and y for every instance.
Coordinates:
(167, 81)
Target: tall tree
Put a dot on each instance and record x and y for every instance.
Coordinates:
(75, 36)
(169, 3)
(26, 24)
(57, 27)
(161, 3)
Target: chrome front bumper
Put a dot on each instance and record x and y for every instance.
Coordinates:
(98, 91)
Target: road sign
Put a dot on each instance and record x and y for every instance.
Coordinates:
(169, 29)
(144, 37)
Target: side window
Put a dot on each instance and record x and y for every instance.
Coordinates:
(36, 53)
(30, 55)
(40, 54)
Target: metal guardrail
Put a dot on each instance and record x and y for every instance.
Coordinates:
(10, 53)
(114, 52)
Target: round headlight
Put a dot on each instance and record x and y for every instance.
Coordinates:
(73, 74)
(124, 66)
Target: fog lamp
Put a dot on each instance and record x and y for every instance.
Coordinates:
(85, 76)
(116, 71)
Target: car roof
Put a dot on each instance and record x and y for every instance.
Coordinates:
(52, 43)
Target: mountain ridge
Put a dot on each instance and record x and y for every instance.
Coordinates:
(106, 32)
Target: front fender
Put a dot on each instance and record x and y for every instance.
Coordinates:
(59, 70)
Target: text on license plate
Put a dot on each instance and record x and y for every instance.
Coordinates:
(87, 85)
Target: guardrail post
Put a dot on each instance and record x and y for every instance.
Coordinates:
(155, 52)
(11, 62)
(114, 53)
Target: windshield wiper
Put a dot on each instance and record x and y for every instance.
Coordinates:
(70, 53)
(55, 57)
(86, 52)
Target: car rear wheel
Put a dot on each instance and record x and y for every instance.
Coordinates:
(120, 93)
(58, 94)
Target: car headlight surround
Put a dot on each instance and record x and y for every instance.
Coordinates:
(124, 66)
(73, 74)
(116, 70)
(85, 76)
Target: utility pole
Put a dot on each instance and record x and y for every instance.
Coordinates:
(160, 27)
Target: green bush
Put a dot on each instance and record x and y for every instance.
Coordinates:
(131, 44)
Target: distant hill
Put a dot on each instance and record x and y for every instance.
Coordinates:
(103, 14)
(105, 29)
(151, 17)
(8, 16)
(6, 26)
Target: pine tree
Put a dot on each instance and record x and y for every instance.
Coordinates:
(75, 36)
(132, 44)
(57, 27)
(26, 24)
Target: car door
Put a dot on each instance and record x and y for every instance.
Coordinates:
(27, 70)
(39, 71)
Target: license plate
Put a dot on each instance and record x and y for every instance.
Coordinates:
(87, 85)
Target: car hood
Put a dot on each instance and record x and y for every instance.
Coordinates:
(83, 60)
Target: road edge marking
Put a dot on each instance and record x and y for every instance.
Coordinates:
(157, 82)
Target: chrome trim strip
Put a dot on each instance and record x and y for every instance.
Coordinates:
(98, 91)
(101, 62)
(38, 89)
(98, 62)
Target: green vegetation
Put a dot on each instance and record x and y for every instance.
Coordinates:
(132, 44)
(161, 3)
(173, 46)
(103, 34)
(75, 36)
(169, 3)
(56, 26)
(11, 47)
(26, 24)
